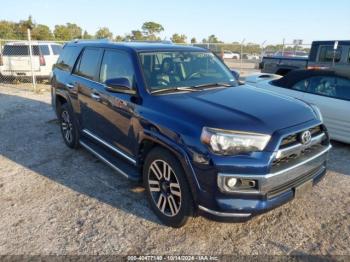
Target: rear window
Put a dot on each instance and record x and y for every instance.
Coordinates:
(327, 54)
(67, 58)
(23, 50)
(56, 49)
(88, 63)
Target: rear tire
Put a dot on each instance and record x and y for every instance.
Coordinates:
(167, 188)
(69, 128)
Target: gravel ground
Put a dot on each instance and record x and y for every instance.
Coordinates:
(54, 200)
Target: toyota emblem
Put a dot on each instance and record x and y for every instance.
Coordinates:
(306, 137)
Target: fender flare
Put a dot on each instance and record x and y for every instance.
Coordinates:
(180, 154)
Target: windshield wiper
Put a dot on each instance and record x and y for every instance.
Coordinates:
(214, 85)
(174, 89)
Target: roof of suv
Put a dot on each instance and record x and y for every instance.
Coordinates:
(138, 46)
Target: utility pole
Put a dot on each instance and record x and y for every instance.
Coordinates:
(241, 64)
(31, 58)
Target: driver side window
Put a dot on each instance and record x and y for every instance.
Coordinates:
(116, 64)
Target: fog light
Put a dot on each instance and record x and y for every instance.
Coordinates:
(232, 182)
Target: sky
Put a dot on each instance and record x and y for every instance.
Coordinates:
(230, 20)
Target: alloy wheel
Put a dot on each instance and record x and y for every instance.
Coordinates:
(67, 126)
(164, 188)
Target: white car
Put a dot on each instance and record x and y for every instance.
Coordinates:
(231, 55)
(15, 60)
(329, 91)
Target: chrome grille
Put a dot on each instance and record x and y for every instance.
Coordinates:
(291, 147)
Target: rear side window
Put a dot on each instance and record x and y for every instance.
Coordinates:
(44, 50)
(67, 58)
(335, 87)
(88, 63)
(56, 49)
(20, 50)
(349, 56)
(327, 54)
(116, 65)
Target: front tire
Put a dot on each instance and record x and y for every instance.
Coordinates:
(167, 188)
(68, 126)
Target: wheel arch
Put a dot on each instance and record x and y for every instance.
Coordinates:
(149, 142)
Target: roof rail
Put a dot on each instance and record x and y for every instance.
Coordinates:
(167, 42)
(91, 40)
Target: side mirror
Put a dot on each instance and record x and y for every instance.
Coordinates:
(119, 85)
(235, 74)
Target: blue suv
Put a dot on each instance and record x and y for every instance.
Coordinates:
(175, 118)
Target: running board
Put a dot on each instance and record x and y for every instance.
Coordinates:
(117, 164)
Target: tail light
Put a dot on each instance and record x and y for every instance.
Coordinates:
(42, 60)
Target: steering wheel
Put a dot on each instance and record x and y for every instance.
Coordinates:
(193, 75)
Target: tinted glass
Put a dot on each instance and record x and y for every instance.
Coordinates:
(183, 69)
(335, 87)
(327, 53)
(116, 65)
(56, 49)
(20, 50)
(88, 64)
(349, 56)
(67, 58)
(44, 50)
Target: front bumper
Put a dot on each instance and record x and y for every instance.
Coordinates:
(275, 189)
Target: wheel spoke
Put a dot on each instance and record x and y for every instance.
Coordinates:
(166, 171)
(172, 204)
(175, 189)
(155, 169)
(64, 126)
(154, 185)
(161, 203)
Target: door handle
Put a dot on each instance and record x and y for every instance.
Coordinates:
(95, 96)
(70, 86)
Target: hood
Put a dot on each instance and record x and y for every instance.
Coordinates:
(243, 108)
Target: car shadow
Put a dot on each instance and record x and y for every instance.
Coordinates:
(339, 158)
(30, 137)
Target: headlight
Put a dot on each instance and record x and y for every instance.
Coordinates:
(317, 112)
(226, 142)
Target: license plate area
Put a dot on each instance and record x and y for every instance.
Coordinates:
(299, 191)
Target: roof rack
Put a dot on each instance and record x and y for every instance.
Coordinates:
(167, 42)
(91, 40)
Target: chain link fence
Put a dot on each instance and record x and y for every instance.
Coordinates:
(28, 63)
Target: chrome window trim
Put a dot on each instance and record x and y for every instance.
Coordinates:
(113, 148)
(222, 214)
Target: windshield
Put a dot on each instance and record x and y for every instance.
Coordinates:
(167, 70)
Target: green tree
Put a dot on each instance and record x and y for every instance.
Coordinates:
(42, 32)
(213, 39)
(177, 38)
(7, 30)
(86, 35)
(119, 38)
(193, 40)
(22, 27)
(103, 33)
(136, 35)
(151, 30)
(67, 32)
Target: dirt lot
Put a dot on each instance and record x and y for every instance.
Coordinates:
(54, 200)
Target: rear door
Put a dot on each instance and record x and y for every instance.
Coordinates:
(84, 80)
